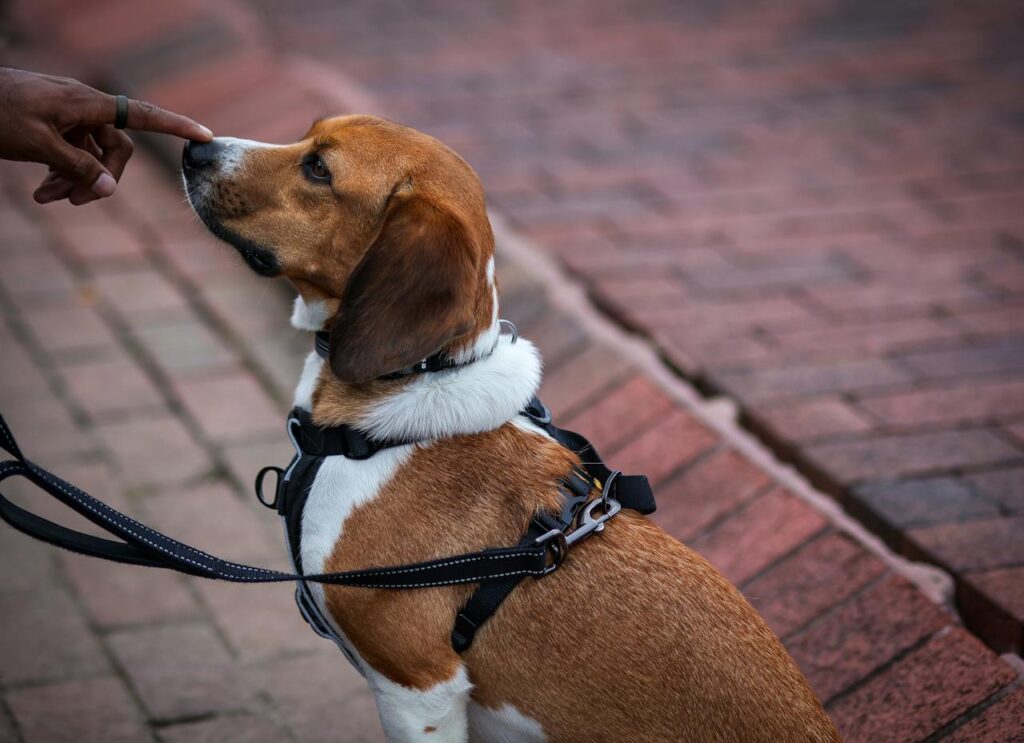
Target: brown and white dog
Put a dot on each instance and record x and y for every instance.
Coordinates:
(384, 233)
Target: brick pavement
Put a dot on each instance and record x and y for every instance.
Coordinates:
(813, 207)
(132, 290)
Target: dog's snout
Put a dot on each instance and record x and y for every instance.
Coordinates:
(199, 155)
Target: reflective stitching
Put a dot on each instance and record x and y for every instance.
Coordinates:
(433, 565)
(84, 499)
(58, 484)
(9, 438)
(454, 581)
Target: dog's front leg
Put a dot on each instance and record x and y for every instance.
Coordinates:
(436, 714)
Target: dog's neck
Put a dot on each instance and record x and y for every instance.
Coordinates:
(498, 379)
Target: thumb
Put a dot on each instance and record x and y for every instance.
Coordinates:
(79, 167)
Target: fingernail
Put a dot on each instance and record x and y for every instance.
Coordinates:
(206, 131)
(104, 185)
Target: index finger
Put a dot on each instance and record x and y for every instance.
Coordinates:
(144, 116)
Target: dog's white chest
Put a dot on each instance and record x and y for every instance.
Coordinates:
(340, 486)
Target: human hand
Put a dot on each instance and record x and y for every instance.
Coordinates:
(69, 126)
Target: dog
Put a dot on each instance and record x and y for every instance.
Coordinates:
(383, 232)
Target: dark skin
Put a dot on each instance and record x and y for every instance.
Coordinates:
(69, 126)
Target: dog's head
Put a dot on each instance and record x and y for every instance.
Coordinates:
(382, 224)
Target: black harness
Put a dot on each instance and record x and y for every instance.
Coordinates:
(539, 552)
(556, 532)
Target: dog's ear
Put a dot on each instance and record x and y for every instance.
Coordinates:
(412, 292)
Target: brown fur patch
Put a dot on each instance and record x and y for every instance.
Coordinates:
(635, 638)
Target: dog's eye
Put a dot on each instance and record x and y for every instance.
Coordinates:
(316, 169)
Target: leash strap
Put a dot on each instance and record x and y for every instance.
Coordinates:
(142, 545)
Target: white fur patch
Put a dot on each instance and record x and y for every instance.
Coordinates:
(233, 151)
(503, 725)
(436, 714)
(472, 399)
(340, 485)
(309, 315)
(307, 382)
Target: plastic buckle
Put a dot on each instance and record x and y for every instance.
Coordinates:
(557, 547)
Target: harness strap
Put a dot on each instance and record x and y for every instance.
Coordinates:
(631, 491)
(142, 545)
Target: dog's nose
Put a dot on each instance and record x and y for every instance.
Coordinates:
(199, 155)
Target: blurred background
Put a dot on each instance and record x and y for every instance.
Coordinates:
(813, 209)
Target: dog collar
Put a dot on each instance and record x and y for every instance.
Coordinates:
(435, 362)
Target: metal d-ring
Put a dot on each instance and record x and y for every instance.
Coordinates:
(513, 330)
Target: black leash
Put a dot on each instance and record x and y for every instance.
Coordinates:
(141, 545)
(145, 546)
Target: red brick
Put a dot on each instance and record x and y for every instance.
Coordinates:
(1000, 356)
(140, 293)
(817, 577)
(847, 644)
(774, 272)
(230, 406)
(103, 243)
(885, 299)
(900, 456)
(19, 376)
(620, 413)
(557, 336)
(1005, 487)
(998, 723)
(787, 382)
(185, 346)
(766, 530)
(245, 460)
(213, 518)
(37, 278)
(73, 328)
(664, 446)
(922, 692)
(109, 387)
(122, 595)
(973, 545)
(263, 623)
(692, 350)
(925, 501)
(180, 671)
(990, 604)
(45, 429)
(1004, 320)
(247, 728)
(859, 339)
(978, 401)
(703, 494)
(30, 623)
(581, 379)
(820, 418)
(317, 693)
(1005, 586)
(247, 304)
(91, 709)
(157, 450)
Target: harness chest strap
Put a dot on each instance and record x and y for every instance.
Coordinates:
(142, 545)
(313, 443)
